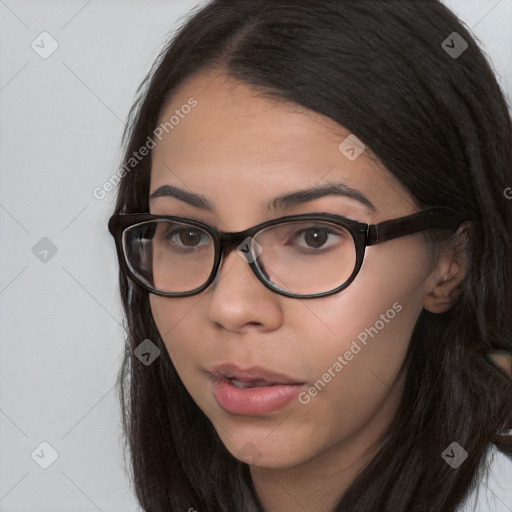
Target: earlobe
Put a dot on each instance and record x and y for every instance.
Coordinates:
(443, 297)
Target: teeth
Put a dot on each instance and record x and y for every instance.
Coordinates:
(237, 383)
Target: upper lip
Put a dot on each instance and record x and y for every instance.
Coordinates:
(250, 375)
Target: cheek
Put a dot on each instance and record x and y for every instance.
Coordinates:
(355, 342)
(174, 319)
(392, 278)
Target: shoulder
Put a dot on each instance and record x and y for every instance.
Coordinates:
(494, 489)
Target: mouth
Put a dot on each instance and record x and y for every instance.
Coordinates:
(257, 383)
(252, 391)
(256, 376)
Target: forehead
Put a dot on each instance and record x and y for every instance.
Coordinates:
(237, 138)
(228, 106)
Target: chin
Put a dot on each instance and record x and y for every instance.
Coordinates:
(266, 453)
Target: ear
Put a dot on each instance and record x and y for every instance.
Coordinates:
(445, 282)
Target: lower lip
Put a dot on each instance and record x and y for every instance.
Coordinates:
(253, 400)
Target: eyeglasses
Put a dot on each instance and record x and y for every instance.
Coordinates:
(307, 255)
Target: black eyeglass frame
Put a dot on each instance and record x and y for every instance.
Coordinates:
(364, 235)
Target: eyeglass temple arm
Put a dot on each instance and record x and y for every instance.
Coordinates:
(439, 218)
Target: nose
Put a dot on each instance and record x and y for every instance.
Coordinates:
(238, 298)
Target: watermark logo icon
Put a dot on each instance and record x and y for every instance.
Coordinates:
(454, 45)
(147, 352)
(249, 453)
(44, 45)
(351, 147)
(243, 250)
(454, 455)
(44, 455)
(44, 250)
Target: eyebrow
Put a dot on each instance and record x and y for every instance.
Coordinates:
(283, 203)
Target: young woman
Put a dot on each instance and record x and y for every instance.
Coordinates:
(314, 229)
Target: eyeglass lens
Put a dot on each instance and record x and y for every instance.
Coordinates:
(302, 257)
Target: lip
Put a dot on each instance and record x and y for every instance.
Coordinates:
(274, 390)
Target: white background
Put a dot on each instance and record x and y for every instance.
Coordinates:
(60, 320)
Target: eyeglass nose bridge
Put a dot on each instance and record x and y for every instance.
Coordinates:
(233, 240)
(227, 241)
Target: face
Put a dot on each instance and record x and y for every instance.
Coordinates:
(239, 150)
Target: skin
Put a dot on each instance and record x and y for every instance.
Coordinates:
(239, 148)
